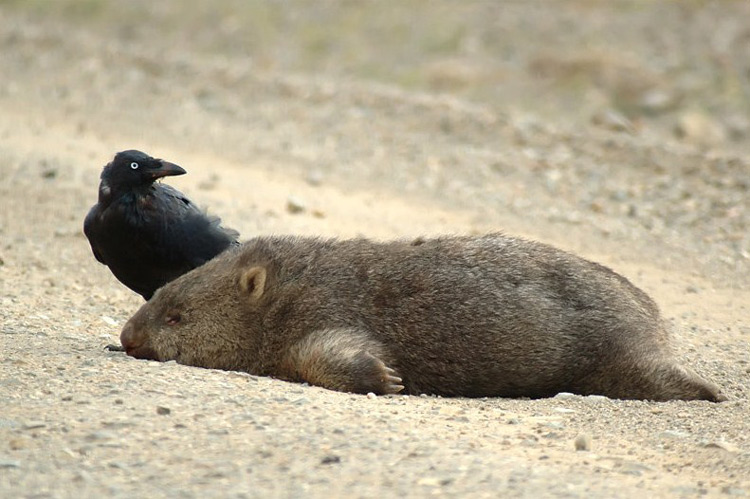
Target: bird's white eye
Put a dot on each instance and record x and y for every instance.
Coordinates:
(134, 165)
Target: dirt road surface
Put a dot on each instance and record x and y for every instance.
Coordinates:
(617, 130)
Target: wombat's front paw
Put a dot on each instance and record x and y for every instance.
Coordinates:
(341, 359)
(372, 375)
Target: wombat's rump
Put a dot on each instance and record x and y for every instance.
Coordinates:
(455, 316)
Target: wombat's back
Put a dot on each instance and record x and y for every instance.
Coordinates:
(474, 315)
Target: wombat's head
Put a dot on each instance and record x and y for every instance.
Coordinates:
(209, 317)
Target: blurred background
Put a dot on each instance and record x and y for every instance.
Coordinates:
(680, 67)
(578, 122)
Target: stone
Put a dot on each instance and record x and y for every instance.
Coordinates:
(295, 205)
(699, 129)
(582, 442)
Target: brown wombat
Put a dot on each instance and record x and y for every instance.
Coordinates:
(453, 316)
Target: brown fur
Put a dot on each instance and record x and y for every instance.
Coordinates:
(455, 316)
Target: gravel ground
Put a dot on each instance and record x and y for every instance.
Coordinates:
(614, 130)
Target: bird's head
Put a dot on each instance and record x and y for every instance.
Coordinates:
(133, 168)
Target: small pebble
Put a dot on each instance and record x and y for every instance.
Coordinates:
(109, 320)
(8, 423)
(314, 178)
(100, 436)
(16, 444)
(596, 398)
(699, 128)
(658, 101)
(613, 120)
(330, 460)
(294, 205)
(583, 442)
(564, 410)
(565, 396)
(634, 468)
(720, 444)
(673, 434)
(83, 476)
(429, 482)
(371, 395)
(210, 183)
(734, 491)
(554, 425)
(163, 411)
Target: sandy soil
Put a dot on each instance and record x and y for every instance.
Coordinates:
(616, 130)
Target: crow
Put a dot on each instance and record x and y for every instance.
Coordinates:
(149, 233)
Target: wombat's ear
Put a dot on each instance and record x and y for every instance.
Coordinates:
(253, 282)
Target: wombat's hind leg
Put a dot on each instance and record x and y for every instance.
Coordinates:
(341, 359)
(681, 383)
(659, 380)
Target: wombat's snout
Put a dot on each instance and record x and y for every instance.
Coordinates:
(131, 338)
(135, 342)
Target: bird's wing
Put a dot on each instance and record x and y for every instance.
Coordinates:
(175, 201)
(203, 237)
(90, 229)
(230, 234)
(197, 236)
(195, 217)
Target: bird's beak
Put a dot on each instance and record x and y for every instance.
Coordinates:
(167, 169)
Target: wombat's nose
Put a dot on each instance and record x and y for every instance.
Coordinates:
(130, 337)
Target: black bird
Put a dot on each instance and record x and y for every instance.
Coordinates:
(149, 233)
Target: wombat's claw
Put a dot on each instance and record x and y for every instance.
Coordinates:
(114, 348)
(392, 382)
(372, 375)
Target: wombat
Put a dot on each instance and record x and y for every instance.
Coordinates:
(453, 316)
